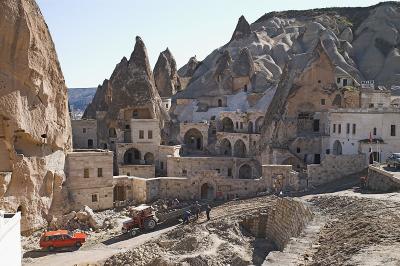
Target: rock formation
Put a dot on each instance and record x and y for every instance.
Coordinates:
(131, 88)
(242, 29)
(165, 75)
(35, 128)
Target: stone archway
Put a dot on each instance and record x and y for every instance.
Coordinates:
(207, 191)
(239, 149)
(193, 139)
(227, 124)
(225, 147)
(132, 156)
(337, 148)
(245, 172)
(149, 158)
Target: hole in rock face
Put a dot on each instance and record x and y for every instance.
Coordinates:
(255, 227)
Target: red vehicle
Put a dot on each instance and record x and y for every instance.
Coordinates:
(61, 239)
(143, 218)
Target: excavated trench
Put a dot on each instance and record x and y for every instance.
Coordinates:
(241, 239)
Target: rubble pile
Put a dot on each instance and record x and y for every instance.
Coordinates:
(85, 220)
(219, 242)
(356, 225)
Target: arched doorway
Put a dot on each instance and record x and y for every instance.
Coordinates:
(250, 127)
(149, 158)
(225, 147)
(239, 149)
(258, 124)
(374, 157)
(132, 156)
(193, 139)
(219, 103)
(337, 148)
(245, 172)
(227, 124)
(207, 191)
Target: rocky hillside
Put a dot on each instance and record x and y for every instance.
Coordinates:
(35, 131)
(362, 41)
(79, 99)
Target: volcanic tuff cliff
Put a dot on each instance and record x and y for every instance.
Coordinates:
(35, 128)
(165, 75)
(130, 86)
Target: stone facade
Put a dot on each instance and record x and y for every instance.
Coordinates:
(84, 134)
(90, 179)
(381, 180)
(334, 167)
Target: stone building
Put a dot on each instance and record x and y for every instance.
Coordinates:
(372, 132)
(85, 134)
(90, 179)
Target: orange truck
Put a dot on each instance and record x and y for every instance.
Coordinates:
(60, 239)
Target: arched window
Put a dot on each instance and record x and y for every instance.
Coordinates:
(193, 139)
(149, 158)
(239, 149)
(227, 124)
(132, 156)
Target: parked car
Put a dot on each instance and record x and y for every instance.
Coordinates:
(61, 238)
(393, 160)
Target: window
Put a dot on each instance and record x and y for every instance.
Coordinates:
(141, 134)
(344, 82)
(128, 173)
(99, 172)
(127, 126)
(328, 151)
(317, 158)
(316, 125)
(166, 106)
(84, 130)
(237, 125)
(392, 130)
(374, 131)
(162, 165)
(184, 172)
(338, 80)
(94, 198)
(322, 101)
(241, 125)
(135, 114)
(354, 129)
(219, 103)
(150, 134)
(348, 128)
(245, 88)
(371, 105)
(380, 104)
(319, 81)
(212, 117)
(86, 173)
(334, 128)
(340, 128)
(298, 150)
(229, 171)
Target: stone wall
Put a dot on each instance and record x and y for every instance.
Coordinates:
(381, 180)
(96, 189)
(145, 171)
(284, 219)
(334, 167)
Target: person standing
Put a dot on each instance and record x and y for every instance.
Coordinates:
(208, 210)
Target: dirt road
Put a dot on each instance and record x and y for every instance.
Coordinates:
(91, 254)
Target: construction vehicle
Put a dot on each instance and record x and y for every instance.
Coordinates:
(143, 219)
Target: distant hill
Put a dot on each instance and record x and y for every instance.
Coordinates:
(79, 98)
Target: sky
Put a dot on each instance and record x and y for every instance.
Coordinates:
(91, 36)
